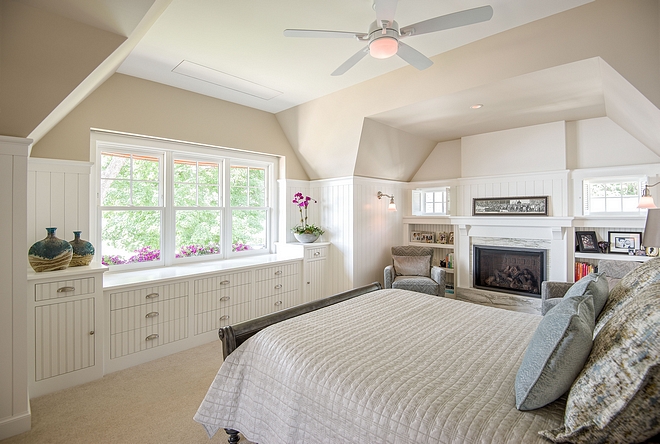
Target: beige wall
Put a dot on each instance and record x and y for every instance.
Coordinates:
(43, 58)
(137, 106)
(326, 132)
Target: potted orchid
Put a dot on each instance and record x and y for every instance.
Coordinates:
(304, 232)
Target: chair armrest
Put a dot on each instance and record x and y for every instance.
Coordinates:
(388, 276)
(440, 276)
(551, 292)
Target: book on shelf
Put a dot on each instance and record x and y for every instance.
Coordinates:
(584, 268)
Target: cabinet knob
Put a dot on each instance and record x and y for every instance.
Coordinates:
(224, 317)
(225, 282)
(278, 303)
(152, 296)
(225, 298)
(151, 337)
(317, 253)
(91, 333)
(153, 314)
(278, 286)
(66, 289)
(278, 272)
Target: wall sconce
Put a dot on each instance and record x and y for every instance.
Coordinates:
(646, 201)
(392, 205)
(651, 238)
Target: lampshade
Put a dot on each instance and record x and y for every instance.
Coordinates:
(651, 237)
(383, 47)
(646, 201)
(392, 205)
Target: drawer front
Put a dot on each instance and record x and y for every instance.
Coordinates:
(147, 295)
(213, 320)
(221, 298)
(221, 281)
(316, 253)
(63, 289)
(276, 272)
(277, 286)
(146, 315)
(271, 304)
(133, 341)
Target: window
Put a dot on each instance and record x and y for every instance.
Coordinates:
(161, 203)
(606, 196)
(430, 201)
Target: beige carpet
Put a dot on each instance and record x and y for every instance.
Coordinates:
(149, 403)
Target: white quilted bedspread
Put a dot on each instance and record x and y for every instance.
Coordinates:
(390, 366)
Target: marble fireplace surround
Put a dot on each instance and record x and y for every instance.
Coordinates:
(540, 232)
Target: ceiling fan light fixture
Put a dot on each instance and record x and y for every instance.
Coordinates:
(383, 47)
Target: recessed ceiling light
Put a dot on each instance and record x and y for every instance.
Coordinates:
(477, 106)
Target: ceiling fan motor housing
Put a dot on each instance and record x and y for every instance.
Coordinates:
(383, 42)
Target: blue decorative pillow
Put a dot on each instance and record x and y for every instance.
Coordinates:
(556, 354)
(597, 284)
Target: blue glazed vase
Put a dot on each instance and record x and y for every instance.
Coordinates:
(83, 251)
(50, 253)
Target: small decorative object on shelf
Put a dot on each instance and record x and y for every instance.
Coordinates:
(604, 247)
(587, 241)
(50, 253)
(83, 251)
(305, 233)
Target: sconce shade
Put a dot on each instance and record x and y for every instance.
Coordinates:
(392, 205)
(651, 237)
(646, 201)
(383, 47)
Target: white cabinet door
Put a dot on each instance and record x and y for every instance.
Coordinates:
(315, 279)
(64, 337)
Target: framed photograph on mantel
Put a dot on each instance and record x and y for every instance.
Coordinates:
(510, 206)
(587, 241)
(623, 242)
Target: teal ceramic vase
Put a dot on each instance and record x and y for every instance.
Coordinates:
(83, 251)
(50, 253)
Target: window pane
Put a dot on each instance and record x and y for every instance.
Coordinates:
(208, 173)
(239, 197)
(630, 203)
(208, 196)
(257, 197)
(115, 166)
(428, 197)
(257, 177)
(613, 204)
(439, 196)
(629, 189)
(598, 190)
(248, 230)
(115, 192)
(439, 208)
(185, 171)
(197, 232)
(239, 176)
(429, 207)
(130, 236)
(145, 194)
(613, 189)
(597, 205)
(185, 195)
(145, 168)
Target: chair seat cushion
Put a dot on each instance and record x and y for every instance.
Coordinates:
(419, 284)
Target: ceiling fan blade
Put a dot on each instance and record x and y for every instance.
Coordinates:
(348, 64)
(413, 57)
(385, 10)
(455, 20)
(315, 33)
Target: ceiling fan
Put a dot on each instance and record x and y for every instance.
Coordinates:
(384, 36)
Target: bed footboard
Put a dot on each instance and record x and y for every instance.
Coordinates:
(234, 335)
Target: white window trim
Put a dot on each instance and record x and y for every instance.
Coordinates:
(586, 198)
(418, 207)
(101, 140)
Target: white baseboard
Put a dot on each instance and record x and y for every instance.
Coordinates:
(16, 424)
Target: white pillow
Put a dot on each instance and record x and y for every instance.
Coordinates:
(412, 265)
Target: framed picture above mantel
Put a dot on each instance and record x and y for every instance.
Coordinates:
(510, 206)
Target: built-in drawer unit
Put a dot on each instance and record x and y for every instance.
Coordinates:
(277, 287)
(221, 300)
(65, 288)
(316, 253)
(147, 317)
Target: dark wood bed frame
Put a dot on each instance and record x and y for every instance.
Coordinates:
(233, 336)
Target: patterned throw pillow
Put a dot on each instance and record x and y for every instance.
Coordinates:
(630, 285)
(597, 285)
(412, 265)
(616, 398)
(556, 353)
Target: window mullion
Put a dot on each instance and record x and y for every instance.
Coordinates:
(168, 221)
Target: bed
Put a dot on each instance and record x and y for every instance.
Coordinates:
(377, 366)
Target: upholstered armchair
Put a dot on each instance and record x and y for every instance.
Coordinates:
(411, 269)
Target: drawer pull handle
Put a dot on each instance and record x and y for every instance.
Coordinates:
(278, 286)
(66, 289)
(225, 298)
(153, 314)
(278, 303)
(152, 296)
(224, 317)
(278, 272)
(317, 253)
(91, 333)
(151, 337)
(225, 282)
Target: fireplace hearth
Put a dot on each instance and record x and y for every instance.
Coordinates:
(509, 270)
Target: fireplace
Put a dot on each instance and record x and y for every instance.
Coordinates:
(509, 270)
